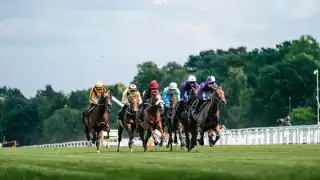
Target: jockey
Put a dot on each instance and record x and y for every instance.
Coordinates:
(131, 91)
(153, 89)
(168, 91)
(94, 96)
(205, 87)
(186, 86)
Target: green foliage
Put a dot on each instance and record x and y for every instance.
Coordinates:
(303, 116)
(257, 85)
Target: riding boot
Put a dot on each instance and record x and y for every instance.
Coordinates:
(124, 109)
(121, 112)
(89, 109)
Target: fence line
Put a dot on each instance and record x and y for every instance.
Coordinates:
(249, 136)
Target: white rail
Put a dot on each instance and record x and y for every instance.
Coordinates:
(249, 136)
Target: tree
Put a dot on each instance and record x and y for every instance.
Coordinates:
(303, 116)
(257, 85)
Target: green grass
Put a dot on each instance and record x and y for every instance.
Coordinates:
(221, 162)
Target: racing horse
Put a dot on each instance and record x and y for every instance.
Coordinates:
(128, 122)
(208, 117)
(150, 120)
(98, 119)
(173, 124)
(189, 126)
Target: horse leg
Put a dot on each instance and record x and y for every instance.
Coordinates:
(120, 129)
(141, 134)
(85, 128)
(169, 126)
(99, 134)
(108, 136)
(217, 131)
(180, 135)
(194, 136)
(94, 136)
(133, 129)
(201, 130)
(155, 141)
(188, 144)
(175, 124)
(210, 135)
(130, 133)
(161, 131)
(149, 132)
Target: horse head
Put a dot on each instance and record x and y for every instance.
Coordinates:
(193, 93)
(133, 105)
(157, 101)
(172, 100)
(218, 95)
(105, 100)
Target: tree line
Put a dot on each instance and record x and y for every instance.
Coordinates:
(261, 85)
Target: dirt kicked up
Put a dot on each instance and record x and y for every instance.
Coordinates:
(274, 162)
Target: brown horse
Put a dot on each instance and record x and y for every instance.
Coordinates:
(98, 120)
(208, 117)
(173, 124)
(151, 120)
(128, 122)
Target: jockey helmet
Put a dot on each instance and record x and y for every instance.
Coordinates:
(98, 85)
(211, 79)
(132, 87)
(153, 84)
(173, 85)
(192, 78)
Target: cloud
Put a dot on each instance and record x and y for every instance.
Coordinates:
(62, 42)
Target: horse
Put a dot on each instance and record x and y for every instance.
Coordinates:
(208, 117)
(183, 116)
(173, 124)
(284, 121)
(151, 119)
(128, 122)
(98, 119)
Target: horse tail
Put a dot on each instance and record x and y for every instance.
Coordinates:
(83, 117)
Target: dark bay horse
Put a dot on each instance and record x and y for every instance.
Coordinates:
(98, 120)
(208, 117)
(128, 122)
(189, 126)
(173, 123)
(151, 120)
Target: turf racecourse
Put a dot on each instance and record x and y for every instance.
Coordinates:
(221, 162)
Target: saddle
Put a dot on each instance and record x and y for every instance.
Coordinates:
(194, 104)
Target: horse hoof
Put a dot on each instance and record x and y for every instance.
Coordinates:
(98, 151)
(145, 150)
(167, 145)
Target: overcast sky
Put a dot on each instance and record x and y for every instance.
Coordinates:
(61, 42)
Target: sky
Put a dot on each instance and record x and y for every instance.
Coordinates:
(70, 44)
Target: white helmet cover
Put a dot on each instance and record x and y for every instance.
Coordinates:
(192, 78)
